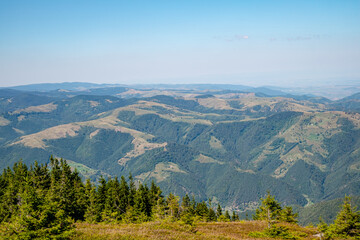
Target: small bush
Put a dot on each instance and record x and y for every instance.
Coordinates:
(275, 232)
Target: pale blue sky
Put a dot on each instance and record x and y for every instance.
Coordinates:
(130, 41)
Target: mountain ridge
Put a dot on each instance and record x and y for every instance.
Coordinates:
(232, 148)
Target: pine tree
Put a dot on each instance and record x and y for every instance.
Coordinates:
(101, 193)
(347, 222)
(27, 222)
(287, 215)
(79, 201)
(40, 213)
(185, 204)
(9, 199)
(155, 193)
(218, 210)
(269, 209)
(158, 210)
(193, 204)
(227, 215)
(172, 203)
(234, 217)
(111, 210)
(132, 190)
(3, 188)
(123, 195)
(40, 176)
(92, 213)
(202, 210)
(211, 216)
(142, 205)
(323, 228)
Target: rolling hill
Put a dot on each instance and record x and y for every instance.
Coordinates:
(228, 145)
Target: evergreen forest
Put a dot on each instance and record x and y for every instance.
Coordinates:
(45, 201)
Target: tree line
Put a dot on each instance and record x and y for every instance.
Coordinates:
(44, 201)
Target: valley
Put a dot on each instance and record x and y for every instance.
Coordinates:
(228, 145)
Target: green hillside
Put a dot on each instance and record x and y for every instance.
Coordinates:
(228, 146)
(327, 210)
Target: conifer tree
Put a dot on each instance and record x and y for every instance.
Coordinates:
(347, 222)
(218, 210)
(234, 217)
(92, 213)
(287, 215)
(27, 222)
(101, 193)
(227, 215)
(202, 210)
(3, 188)
(323, 228)
(112, 211)
(172, 202)
(271, 211)
(185, 204)
(193, 204)
(132, 190)
(142, 205)
(158, 210)
(9, 199)
(40, 176)
(155, 193)
(123, 195)
(211, 216)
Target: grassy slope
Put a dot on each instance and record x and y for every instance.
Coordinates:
(291, 153)
(166, 230)
(327, 210)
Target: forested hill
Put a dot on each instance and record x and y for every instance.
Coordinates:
(228, 145)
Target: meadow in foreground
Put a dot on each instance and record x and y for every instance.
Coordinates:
(176, 230)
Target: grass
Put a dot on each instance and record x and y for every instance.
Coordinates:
(176, 230)
(205, 159)
(161, 172)
(4, 121)
(35, 140)
(214, 103)
(41, 108)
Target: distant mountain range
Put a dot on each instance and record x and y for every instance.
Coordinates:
(334, 92)
(225, 142)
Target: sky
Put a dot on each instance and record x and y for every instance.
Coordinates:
(255, 43)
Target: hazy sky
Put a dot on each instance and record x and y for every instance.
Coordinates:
(129, 41)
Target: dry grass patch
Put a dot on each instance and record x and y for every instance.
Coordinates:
(216, 144)
(94, 103)
(205, 159)
(151, 230)
(41, 108)
(175, 230)
(140, 147)
(4, 121)
(62, 131)
(214, 103)
(161, 172)
(286, 104)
